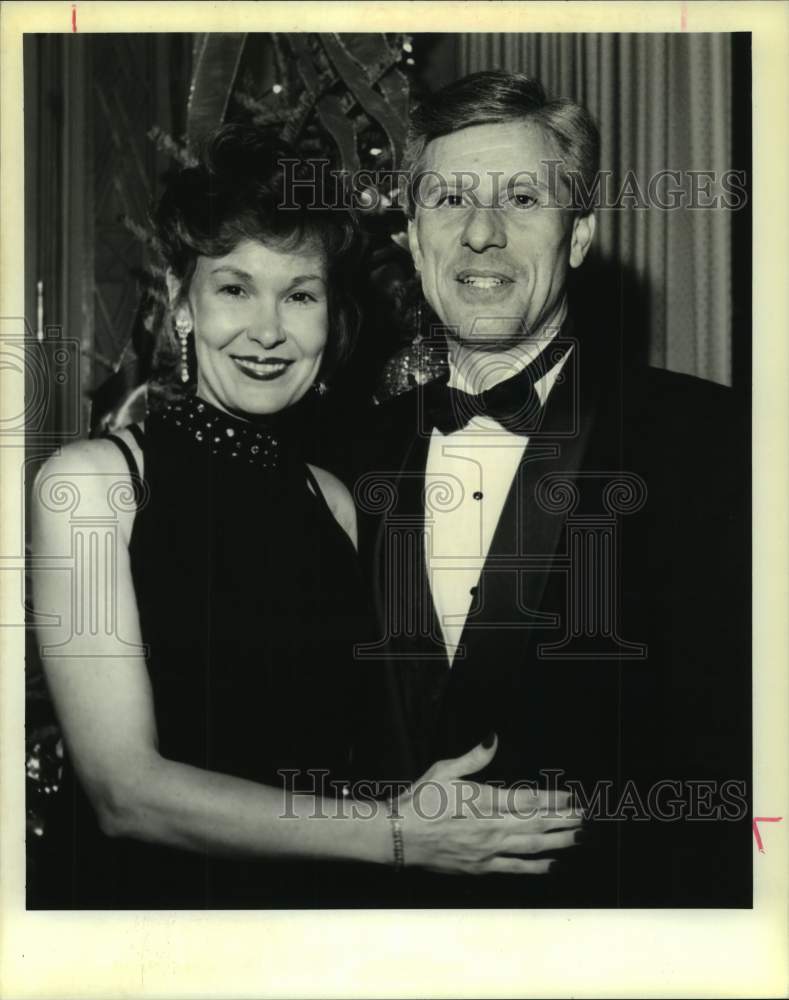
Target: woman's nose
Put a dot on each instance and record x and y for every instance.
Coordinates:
(484, 228)
(267, 329)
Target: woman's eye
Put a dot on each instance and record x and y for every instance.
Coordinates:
(234, 291)
(301, 297)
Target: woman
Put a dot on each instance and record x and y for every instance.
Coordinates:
(212, 721)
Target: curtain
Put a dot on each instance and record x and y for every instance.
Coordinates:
(662, 101)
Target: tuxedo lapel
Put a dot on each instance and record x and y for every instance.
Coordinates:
(530, 527)
(548, 477)
(404, 595)
(417, 663)
(508, 615)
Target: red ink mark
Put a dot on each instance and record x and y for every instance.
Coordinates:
(73, 17)
(683, 16)
(757, 835)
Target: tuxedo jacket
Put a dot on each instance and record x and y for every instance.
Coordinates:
(608, 644)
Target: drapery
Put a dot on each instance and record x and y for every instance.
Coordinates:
(662, 101)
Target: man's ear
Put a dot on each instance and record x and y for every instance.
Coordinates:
(581, 239)
(413, 244)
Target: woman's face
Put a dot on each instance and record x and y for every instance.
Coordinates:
(260, 320)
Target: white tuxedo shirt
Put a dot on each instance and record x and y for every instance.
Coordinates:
(468, 476)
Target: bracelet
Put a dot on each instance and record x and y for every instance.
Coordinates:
(397, 842)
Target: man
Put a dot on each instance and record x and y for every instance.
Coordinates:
(557, 539)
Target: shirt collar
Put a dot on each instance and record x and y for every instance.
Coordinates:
(506, 364)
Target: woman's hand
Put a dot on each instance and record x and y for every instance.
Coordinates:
(451, 825)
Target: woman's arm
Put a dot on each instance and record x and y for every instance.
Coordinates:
(339, 500)
(99, 683)
(103, 699)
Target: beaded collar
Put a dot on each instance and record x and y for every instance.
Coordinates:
(246, 441)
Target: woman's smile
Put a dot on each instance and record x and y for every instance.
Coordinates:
(262, 369)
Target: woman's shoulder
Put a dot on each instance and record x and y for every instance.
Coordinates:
(100, 454)
(338, 499)
(81, 475)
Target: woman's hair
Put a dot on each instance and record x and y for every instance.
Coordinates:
(249, 184)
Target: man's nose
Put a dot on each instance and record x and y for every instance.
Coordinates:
(267, 330)
(484, 228)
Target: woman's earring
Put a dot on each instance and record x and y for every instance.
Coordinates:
(321, 388)
(183, 328)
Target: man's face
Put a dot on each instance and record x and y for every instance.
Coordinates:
(489, 238)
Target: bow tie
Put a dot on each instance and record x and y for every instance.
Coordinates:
(513, 403)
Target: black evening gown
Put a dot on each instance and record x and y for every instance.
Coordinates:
(250, 600)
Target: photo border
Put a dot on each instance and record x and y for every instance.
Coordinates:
(552, 953)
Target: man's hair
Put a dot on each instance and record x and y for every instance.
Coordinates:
(494, 96)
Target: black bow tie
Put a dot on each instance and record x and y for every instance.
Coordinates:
(513, 403)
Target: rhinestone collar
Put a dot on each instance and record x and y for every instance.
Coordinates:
(253, 443)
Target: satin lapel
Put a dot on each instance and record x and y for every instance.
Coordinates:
(416, 661)
(404, 596)
(544, 524)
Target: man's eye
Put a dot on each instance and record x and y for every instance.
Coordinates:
(451, 200)
(523, 200)
(301, 297)
(234, 291)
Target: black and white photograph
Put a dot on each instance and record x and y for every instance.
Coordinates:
(387, 491)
